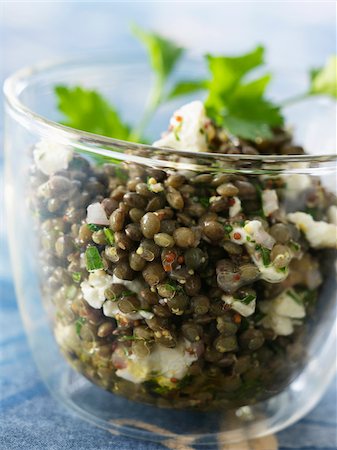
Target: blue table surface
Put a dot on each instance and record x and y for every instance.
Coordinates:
(31, 419)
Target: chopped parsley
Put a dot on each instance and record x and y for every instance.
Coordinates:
(92, 227)
(265, 253)
(79, 324)
(204, 201)
(93, 259)
(126, 294)
(109, 236)
(228, 228)
(247, 299)
(295, 246)
(173, 287)
(76, 276)
(295, 297)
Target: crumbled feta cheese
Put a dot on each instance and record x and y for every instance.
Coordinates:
(146, 314)
(187, 129)
(154, 186)
(318, 234)
(296, 184)
(258, 234)
(66, 337)
(96, 214)
(50, 157)
(235, 208)
(110, 309)
(94, 287)
(162, 361)
(270, 273)
(134, 285)
(286, 305)
(283, 312)
(240, 307)
(282, 326)
(269, 201)
(250, 235)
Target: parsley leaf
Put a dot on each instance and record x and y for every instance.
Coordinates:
(186, 87)
(109, 236)
(93, 259)
(76, 276)
(239, 105)
(79, 324)
(87, 110)
(247, 299)
(324, 80)
(164, 55)
(93, 227)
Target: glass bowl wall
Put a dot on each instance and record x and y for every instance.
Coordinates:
(297, 379)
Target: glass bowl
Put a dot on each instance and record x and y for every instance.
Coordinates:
(169, 317)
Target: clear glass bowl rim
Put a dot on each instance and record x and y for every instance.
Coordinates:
(15, 83)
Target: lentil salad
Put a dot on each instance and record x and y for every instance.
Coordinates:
(180, 288)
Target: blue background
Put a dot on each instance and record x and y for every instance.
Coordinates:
(298, 35)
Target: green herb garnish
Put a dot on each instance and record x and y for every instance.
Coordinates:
(93, 259)
(92, 227)
(294, 296)
(204, 201)
(294, 245)
(164, 55)
(265, 253)
(186, 87)
(235, 99)
(109, 236)
(76, 276)
(79, 324)
(237, 104)
(173, 287)
(228, 228)
(126, 294)
(247, 299)
(87, 110)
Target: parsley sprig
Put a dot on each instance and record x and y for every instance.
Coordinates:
(236, 99)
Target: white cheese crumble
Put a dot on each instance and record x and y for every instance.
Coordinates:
(162, 361)
(319, 234)
(282, 313)
(255, 230)
(96, 214)
(154, 186)
(241, 308)
(66, 337)
(134, 285)
(251, 234)
(235, 208)
(110, 309)
(93, 288)
(269, 201)
(296, 184)
(50, 157)
(187, 129)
